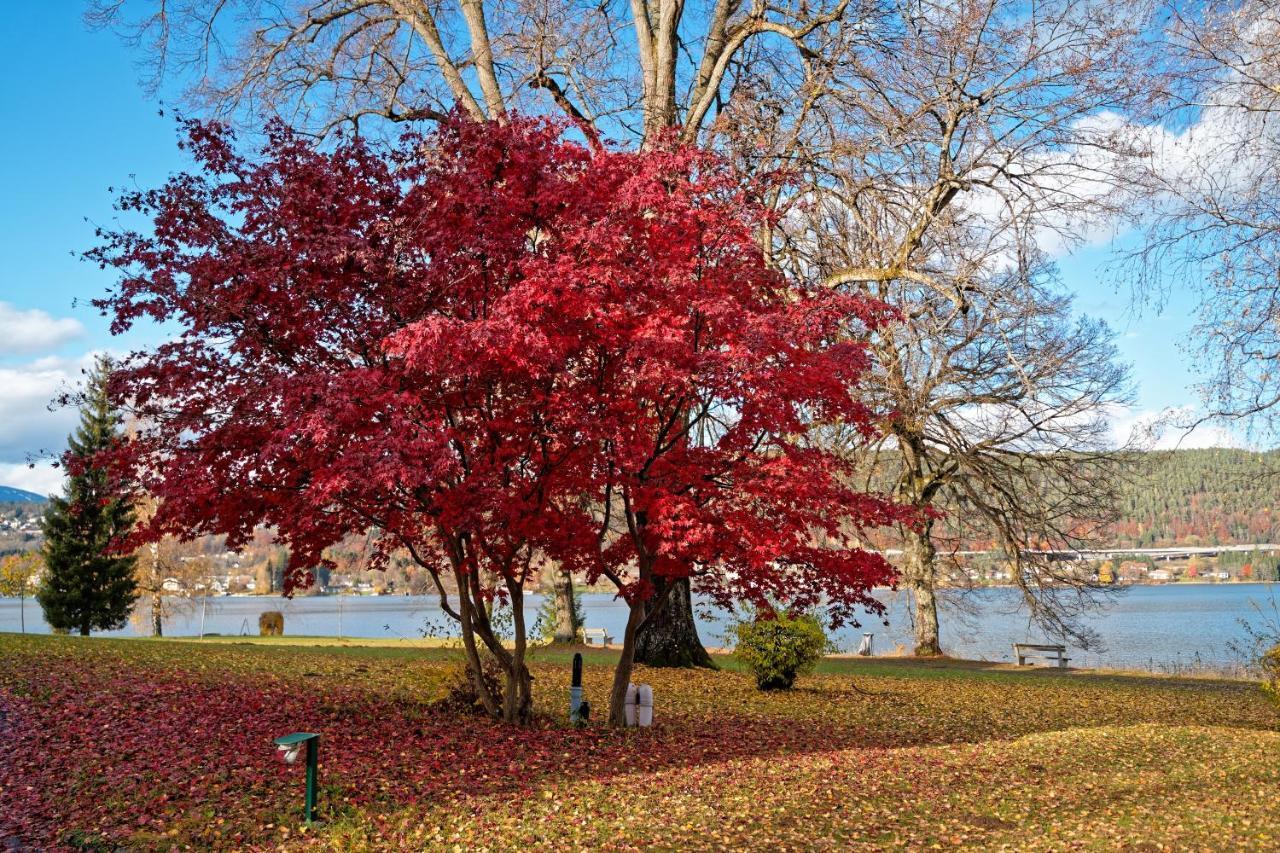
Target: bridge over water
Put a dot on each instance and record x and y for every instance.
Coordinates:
(1158, 554)
(1162, 554)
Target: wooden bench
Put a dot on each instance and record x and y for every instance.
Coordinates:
(591, 636)
(1021, 651)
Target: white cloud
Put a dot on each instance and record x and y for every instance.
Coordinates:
(1117, 171)
(43, 478)
(33, 330)
(28, 425)
(1070, 196)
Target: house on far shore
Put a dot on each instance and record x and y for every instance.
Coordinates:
(1160, 575)
(1131, 571)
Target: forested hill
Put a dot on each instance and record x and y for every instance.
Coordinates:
(1176, 497)
(1201, 497)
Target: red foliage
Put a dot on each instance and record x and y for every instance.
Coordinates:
(494, 344)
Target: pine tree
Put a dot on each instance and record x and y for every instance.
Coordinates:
(86, 585)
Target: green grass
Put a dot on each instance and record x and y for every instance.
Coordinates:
(943, 667)
(863, 754)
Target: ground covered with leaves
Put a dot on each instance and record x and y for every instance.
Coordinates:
(160, 745)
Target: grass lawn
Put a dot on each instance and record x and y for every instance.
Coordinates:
(162, 744)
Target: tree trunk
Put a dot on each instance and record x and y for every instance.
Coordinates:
(622, 672)
(157, 614)
(567, 626)
(669, 637)
(84, 630)
(513, 701)
(518, 702)
(919, 575)
(466, 610)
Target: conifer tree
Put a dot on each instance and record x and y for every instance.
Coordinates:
(86, 584)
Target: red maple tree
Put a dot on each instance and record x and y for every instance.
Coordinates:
(496, 347)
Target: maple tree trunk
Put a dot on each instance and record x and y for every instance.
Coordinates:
(669, 637)
(471, 611)
(622, 672)
(919, 575)
(567, 626)
(514, 704)
(476, 669)
(512, 701)
(517, 704)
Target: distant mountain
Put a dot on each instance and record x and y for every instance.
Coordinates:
(1200, 497)
(8, 494)
(1186, 497)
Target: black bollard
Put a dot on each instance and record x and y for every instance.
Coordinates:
(577, 707)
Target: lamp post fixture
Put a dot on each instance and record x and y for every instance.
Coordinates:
(292, 744)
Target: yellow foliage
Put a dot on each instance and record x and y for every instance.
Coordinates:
(18, 573)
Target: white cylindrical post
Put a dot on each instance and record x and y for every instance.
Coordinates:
(629, 708)
(644, 706)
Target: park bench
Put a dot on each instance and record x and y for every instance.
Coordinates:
(591, 636)
(1021, 651)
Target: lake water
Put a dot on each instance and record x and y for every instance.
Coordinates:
(1162, 628)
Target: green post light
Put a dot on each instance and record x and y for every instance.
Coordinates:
(290, 745)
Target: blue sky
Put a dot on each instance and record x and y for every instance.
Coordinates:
(81, 123)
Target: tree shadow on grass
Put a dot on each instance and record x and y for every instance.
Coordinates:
(705, 718)
(160, 738)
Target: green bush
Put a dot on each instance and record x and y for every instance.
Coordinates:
(1270, 664)
(777, 647)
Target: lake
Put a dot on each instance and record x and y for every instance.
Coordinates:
(1169, 628)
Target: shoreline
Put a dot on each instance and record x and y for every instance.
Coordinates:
(1234, 673)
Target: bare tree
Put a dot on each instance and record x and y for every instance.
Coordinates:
(1214, 224)
(971, 136)
(1001, 427)
(169, 575)
(634, 69)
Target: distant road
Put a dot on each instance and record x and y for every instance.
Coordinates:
(1182, 553)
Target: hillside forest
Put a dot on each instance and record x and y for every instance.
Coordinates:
(1171, 498)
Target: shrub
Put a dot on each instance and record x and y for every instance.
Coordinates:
(461, 696)
(777, 647)
(1270, 664)
(271, 623)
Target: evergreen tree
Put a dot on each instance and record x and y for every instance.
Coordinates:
(86, 585)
